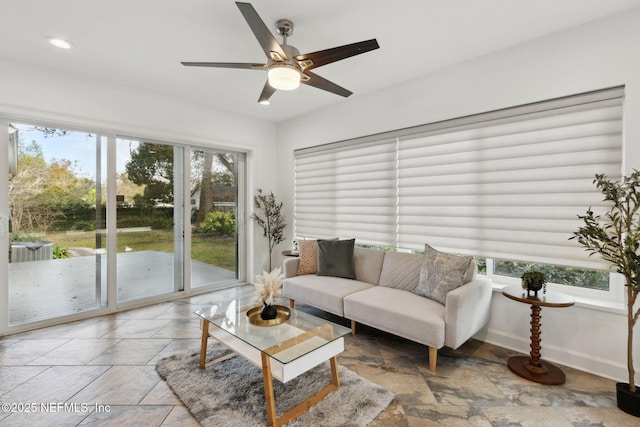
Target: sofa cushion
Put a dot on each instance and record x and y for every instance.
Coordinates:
(398, 312)
(401, 270)
(308, 263)
(368, 264)
(324, 292)
(335, 258)
(441, 273)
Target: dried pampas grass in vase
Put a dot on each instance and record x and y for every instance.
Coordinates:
(268, 286)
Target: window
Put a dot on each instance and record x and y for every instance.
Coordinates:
(505, 185)
(590, 279)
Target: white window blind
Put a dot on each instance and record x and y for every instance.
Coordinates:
(505, 184)
(511, 187)
(347, 190)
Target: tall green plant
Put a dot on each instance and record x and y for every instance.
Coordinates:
(616, 238)
(269, 218)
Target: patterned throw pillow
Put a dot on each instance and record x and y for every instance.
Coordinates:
(308, 263)
(440, 274)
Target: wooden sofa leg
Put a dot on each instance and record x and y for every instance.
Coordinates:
(353, 327)
(433, 357)
(291, 302)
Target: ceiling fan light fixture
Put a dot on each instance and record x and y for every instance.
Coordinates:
(284, 77)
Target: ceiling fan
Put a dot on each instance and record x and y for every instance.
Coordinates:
(286, 67)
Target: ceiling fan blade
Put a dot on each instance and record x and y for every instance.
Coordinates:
(324, 84)
(265, 38)
(327, 56)
(226, 65)
(267, 91)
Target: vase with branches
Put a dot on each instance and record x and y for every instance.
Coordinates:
(615, 236)
(269, 217)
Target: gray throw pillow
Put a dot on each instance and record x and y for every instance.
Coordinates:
(440, 274)
(335, 258)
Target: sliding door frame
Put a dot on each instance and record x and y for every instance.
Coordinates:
(4, 225)
(244, 233)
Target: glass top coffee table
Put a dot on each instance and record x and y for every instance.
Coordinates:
(282, 351)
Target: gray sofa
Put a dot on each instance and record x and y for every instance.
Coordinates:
(381, 297)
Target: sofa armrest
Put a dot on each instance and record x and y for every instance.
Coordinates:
(467, 311)
(290, 266)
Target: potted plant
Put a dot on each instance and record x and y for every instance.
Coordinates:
(534, 281)
(615, 236)
(271, 220)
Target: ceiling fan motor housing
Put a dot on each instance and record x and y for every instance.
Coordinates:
(291, 52)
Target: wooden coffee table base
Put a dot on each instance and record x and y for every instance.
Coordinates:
(272, 417)
(302, 407)
(546, 373)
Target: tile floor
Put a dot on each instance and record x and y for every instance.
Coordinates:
(102, 372)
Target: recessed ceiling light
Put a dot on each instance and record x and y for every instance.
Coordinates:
(60, 43)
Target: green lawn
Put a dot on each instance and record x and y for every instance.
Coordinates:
(214, 250)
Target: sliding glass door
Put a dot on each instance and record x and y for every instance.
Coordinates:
(149, 221)
(214, 217)
(98, 220)
(56, 220)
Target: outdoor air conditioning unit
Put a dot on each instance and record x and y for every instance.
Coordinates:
(31, 251)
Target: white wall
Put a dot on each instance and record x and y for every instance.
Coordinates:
(68, 98)
(594, 56)
(27, 92)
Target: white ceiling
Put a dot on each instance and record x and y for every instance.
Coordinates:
(139, 43)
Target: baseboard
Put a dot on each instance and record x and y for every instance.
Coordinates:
(562, 356)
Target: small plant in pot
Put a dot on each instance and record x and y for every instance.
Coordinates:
(534, 281)
(615, 236)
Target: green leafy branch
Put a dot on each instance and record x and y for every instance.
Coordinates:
(270, 219)
(616, 238)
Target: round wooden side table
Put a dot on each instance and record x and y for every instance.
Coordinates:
(532, 368)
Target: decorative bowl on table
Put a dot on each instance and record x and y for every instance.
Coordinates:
(283, 314)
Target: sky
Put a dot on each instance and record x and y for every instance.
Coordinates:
(78, 147)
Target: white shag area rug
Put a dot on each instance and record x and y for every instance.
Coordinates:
(231, 393)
